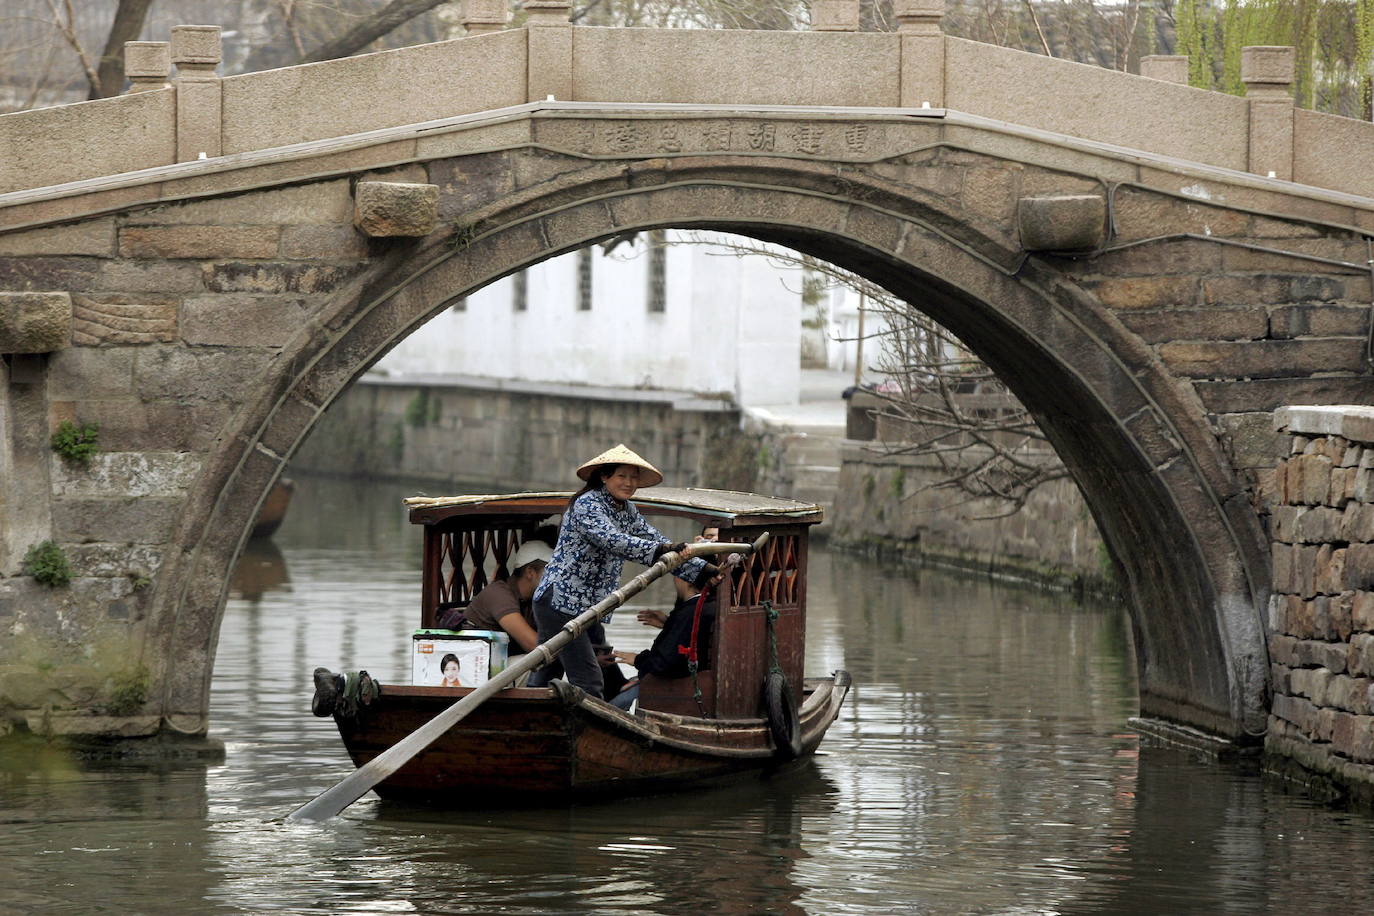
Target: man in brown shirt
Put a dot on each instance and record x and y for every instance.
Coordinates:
(505, 605)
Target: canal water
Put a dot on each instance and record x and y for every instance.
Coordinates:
(982, 765)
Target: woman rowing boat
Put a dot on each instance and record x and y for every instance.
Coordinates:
(601, 530)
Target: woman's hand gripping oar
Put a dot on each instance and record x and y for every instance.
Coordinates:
(358, 783)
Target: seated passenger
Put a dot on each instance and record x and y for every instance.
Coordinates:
(505, 605)
(655, 618)
(666, 658)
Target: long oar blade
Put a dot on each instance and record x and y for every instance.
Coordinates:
(358, 783)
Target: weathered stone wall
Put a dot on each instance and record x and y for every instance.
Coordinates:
(511, 436)
(886, 508)
(1321, 614)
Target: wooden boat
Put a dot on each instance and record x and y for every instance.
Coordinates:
(527, 744)
(273, 509)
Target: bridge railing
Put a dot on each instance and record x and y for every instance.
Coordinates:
(199, 112)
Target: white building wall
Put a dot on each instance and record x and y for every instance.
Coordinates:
(731, 326)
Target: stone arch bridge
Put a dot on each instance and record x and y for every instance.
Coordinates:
(204, 265)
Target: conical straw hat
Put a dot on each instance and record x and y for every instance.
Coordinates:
(649, 477)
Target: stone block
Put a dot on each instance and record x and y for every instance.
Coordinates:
(1315, 477)
(1296, 710)
(1362, 741)
(108, 319)
(92, 237)
(275, 277)
(1358, 570)
(1329, 575)
(1363, 485)
(1318, 321)
(1305, 567)
(145, 520)
(1342, 607)
(1282, 563)
(1281, 650)
(1299, 616)
(1278, 622)
(1271, 137)
(1147, 292)
(187, 374)
(1359, 658)
(1171, 68)
(1319, 610)
(149, 276)
(200, 115)
(1343, 732)
(1280, 678)
(1324, 725)
(1318, 653)
(35, 322)
(196, 45)
(1342, 486)
(147, 60)
(120, 474)
(387, 208)
(1266, 65)
(320, 202)
(1262, 358)
(201, 242)
(113, 561)
(85, 373)
(1362, 611)
(1070, 222)
(322, 243)
(241, 320)
(1142, 214)
(1202, 324)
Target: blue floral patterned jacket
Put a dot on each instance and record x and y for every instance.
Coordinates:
(597, 536)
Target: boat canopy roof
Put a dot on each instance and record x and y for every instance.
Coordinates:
(727, 506)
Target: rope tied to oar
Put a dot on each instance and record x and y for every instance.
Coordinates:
(690, 650)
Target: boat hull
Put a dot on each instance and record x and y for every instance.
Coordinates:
(526, 745)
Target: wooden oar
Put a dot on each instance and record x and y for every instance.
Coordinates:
(357, 784)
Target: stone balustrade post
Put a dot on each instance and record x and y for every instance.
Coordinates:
(481, 16)
(1267, 72)
(196, 53)
(550, 49)
(835, 15)
(1170, 68)
(923, 52)
(147, 65)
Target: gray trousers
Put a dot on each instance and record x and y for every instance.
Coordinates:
(577, 662)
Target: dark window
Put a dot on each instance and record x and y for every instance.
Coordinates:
(658, 271)
(461, 305)
(584, 280)
(520, 291)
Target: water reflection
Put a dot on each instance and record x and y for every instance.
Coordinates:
(980, 766)
(261, 569)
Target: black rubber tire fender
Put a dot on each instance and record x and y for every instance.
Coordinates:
(784, 722)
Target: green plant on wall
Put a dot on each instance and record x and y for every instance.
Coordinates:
(423, 409)
(128, 691)
(47, 563)
(77, 444)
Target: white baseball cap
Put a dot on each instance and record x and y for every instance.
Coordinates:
(531, 551)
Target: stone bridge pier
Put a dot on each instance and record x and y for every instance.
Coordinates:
(1145, 288)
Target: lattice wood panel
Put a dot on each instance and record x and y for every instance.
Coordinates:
(469, 560)
(771, 574)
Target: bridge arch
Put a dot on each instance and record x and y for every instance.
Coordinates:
(1137, 441)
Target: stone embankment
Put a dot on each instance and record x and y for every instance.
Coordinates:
(890, 505)
(1321, 613)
